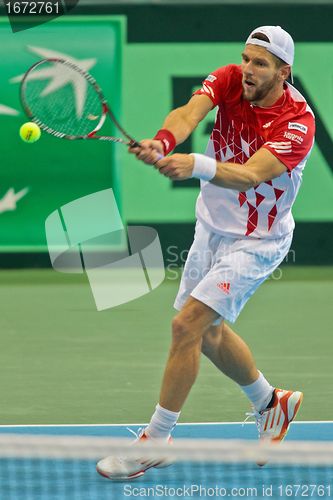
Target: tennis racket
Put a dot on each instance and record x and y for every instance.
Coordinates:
(67, 102)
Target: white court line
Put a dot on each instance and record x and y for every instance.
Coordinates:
(316, 422)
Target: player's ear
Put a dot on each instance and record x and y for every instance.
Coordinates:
(285, 72)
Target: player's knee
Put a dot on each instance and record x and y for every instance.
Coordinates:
(180, 327)
(183, 331)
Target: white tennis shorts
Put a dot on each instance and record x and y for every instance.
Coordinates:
(224, 272)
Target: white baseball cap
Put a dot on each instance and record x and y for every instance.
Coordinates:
(280, 43)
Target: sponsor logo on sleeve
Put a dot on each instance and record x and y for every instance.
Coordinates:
(298, 126)
(211, 78)
(293, 137)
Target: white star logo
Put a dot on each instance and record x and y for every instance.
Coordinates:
(9, 201)
(59, 79)
(6, 110)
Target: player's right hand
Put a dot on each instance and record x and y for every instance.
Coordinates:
(150, 151)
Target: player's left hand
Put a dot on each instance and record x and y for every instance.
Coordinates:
(177, 167)
(149, 151)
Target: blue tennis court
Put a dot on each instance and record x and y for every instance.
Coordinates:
(307, 431)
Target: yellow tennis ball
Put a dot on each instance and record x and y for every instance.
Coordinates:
(30, 132)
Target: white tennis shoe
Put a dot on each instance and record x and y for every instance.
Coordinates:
(125, 469)
(273, 422)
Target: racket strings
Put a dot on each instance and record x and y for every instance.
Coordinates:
(62, 99)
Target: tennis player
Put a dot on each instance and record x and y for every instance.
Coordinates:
(250, 176)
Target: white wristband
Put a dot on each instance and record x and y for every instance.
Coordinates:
(204, 167)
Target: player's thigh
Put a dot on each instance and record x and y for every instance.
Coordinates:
(198, 263)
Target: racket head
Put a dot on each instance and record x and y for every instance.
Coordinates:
(64, 100)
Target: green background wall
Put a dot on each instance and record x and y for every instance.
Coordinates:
(54, 171)
(165, 56)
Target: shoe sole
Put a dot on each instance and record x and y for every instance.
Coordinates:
(140, 473)
(121, 478)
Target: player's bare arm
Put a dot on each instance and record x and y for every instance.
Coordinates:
(262, 166)
(180, 123)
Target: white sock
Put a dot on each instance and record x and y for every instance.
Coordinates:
(259, 392)
(162, 423)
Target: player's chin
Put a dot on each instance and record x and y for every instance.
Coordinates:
(249, 93)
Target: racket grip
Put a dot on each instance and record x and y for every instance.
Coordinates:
(159, 157)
